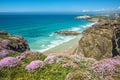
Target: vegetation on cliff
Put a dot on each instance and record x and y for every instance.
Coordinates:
(14, 43)
(100, 43)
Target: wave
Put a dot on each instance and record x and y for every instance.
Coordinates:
(52, 34)
(57, 42)
(59, 39)
(75, 29)
(88, 25)
(80, 27)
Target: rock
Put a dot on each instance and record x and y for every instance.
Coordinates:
(82, 17)
(15, 43)
(115, 15)
(116, 42)
(96, 41)
(6, 43)
(19, 45)
(68, 32)
(3, 33)
(97, 18)
(93, 19)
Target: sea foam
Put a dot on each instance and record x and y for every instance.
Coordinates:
(57, 42)
(62, 39)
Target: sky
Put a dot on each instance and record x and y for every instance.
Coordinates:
(57, 5)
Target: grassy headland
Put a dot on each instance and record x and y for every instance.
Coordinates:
(92, 60)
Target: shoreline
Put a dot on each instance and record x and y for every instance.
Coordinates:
(66, 47)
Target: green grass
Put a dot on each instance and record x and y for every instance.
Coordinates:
(4, 36)
(31, 57)
(49, 72)
(14, 54)
(7, 38)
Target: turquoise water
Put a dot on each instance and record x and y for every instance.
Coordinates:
(39, 29)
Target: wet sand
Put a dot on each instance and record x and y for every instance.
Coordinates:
(65, 48)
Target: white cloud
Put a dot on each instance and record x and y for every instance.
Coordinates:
(85, 10)
(118, 7)
(97, 10)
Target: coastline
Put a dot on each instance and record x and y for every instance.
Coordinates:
(66, 47)
(92, 54)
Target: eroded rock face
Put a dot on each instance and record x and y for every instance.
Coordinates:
(96, 41)
(21, 44)
(14, 43)
(116, 42)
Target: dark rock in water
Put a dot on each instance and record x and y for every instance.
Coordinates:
(116, 42)
(14, 43)
(68, 32)
(3, 33)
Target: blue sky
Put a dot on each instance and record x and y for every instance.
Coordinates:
(57, 5)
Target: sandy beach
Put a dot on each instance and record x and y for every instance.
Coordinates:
(65, 48)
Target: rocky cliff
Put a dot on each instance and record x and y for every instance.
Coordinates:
(13, 43)
(97, 40)
(116, 42)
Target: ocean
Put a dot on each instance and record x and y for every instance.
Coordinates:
(38, 29)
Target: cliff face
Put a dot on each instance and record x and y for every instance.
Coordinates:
(14, 43)
(116, 42)
(97, 40)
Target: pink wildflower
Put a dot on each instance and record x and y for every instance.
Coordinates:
(106, 65)
(8, 62)
(3, 53)
(50, 59)
(34, 65)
